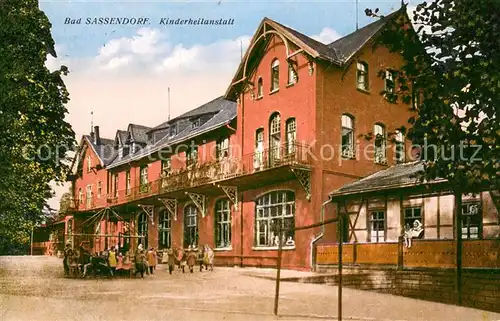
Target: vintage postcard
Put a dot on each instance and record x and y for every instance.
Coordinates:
(249, 160)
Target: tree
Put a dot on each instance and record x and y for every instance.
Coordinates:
(451, 78)
(35, 137)
(65, 203)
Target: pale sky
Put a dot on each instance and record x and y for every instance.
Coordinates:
(122, 73)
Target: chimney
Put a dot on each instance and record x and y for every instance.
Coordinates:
(97, 140)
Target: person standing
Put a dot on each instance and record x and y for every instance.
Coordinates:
(139, 261)
(152, 260)
(68, 253)
(191, 259)
(112, 260)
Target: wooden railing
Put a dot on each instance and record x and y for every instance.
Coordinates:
(205, 173)
(422, 254)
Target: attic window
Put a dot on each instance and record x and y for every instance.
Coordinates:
(292, 73)
(89, 164)
(173, 130)
(196, 123)
(275, 75)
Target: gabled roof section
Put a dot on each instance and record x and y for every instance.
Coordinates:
(338, 52)
(105, 151)
(346, 47)
(138, 133)
(258, 45)
(212, 107)
(120, 137)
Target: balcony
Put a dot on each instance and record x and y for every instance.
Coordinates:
(278, 164)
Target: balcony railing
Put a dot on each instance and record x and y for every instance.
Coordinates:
(209, 172)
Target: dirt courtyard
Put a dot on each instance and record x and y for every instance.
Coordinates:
(33, 288)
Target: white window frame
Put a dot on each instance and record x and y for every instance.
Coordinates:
(291, 135)
(362, 75)
(468, 230)
(275, 75)
(389, 78)
(292, 74)
(128, 185)
(275, 207)
(223, 224)
(165, 229)
(380, 151)
(377, 235)
(190, 226)
(347, 122)
(399, 152)
(89, 164)
(260, 88)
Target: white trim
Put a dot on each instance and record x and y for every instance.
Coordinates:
(273, 248)
(222, 249)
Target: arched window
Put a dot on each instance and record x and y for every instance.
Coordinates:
(274, 138)
(291, 135)
(142, 229)
(362, 75)
(275, 212)
(89, 164)
(275, 75)
(165, 230)
(190, 226)
(259, 149)
(380, 152)
(400, 147)
(222, 223)
(260, 88)
(347, 136)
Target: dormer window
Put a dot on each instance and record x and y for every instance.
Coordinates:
(196, 123)
(173, 130)
(275, 75)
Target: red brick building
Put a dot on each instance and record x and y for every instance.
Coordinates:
(264, 155)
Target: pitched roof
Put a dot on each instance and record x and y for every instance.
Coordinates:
(349, 45)
(139, 133)
(105, 150)
(401, 175)
(225, 112)
(122, 134)
(321, 48)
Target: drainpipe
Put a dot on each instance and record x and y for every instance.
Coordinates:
(321, 234)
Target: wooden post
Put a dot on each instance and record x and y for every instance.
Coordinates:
(278, 272)
(458, 247)
(340, 227)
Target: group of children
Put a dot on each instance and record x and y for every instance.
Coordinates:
(176, 256)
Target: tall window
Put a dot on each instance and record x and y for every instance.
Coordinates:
(412, 214)
(380, 152)
(260, 88)
(191, 155)
(166, 165)
(400, 147)
(292, 73)
(347, 136)
(389, 82)
(222, 224)
(173, 129)
(89, 164)
(128, 185)
(144, 178)
(471, 220)
(80, 196)
(362, 75)
(190, 226)
(89, 196)
(291, 135)
(377, 226)
(115, 190)
(275, 75)
(99, 189)
(275, 211)
(274, 138)
(165, 230)
(222, 148)
(259, 148)
(142, 229)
